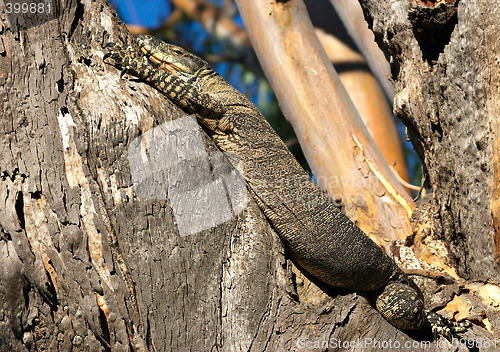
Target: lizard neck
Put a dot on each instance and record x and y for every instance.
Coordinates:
(208, 82)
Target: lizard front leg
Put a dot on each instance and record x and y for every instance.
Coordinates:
(441, 326)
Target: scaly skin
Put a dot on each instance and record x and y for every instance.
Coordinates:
(321, 239)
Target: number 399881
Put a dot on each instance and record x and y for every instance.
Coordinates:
(28, 7)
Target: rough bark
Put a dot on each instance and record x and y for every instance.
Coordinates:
(88, 265)
(446, 79)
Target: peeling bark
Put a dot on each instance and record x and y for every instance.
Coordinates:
(87, 265)
(447, 93)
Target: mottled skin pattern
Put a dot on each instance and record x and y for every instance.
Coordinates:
(320, 238)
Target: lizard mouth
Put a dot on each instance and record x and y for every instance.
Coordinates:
(159, 59)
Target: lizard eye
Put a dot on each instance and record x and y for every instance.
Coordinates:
(178, 52)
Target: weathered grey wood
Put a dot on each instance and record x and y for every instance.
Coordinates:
(65, 283)
(449, 100)
(88, 265)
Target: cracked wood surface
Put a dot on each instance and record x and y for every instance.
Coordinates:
(447, 96)
(446, 77)
(66, 123)
(68, 207)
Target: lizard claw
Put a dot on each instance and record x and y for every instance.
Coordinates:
(116, 52)
(111, 45)
(126, 58)
(123, 72)
(442, 326)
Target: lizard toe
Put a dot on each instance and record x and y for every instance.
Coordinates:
(127, 58)
(441, 326)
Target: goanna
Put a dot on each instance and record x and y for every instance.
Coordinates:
(321, 239)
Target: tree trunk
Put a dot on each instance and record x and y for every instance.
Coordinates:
(447, 75)
(88, 264)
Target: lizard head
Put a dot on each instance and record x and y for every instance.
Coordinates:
(173, 59)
